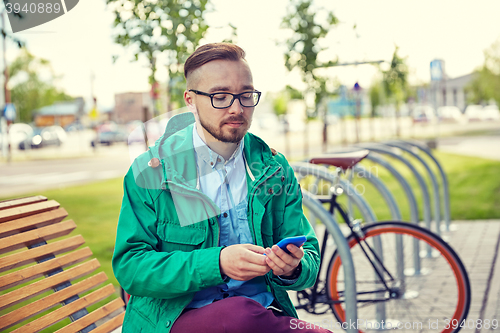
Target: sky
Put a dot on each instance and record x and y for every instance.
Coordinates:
(80, 42)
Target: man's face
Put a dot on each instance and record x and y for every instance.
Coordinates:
(229, 124)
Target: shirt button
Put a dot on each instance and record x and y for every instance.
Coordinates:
(167, 323)
(225, 214)
(270, 191)
(212, 163)
(282, 178)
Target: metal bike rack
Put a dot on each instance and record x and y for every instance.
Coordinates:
(446, 187)
(364, 208)
(382, 149)
(333, 228)
(380, 186)
(322, 172)
(435, 186)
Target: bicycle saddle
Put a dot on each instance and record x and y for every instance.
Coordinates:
(343, 160)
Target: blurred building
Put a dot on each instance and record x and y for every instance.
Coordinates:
(450, 92)
(133, 106)
(60, 113)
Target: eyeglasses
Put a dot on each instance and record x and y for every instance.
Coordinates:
(225, 100)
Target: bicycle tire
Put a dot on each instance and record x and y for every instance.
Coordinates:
(441, 296)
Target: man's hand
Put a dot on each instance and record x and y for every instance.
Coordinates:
(243, 262)
(281, 262)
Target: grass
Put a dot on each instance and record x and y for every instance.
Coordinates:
(473, 182)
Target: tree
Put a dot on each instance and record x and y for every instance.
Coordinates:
(486, 84)
(395, 82)
(154, 28)
(28, 91)
(303, 49)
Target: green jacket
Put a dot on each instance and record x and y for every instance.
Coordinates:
(167, 239)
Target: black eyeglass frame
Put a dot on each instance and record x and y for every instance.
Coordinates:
(235, 96)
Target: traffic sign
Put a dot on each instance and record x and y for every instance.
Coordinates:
(9, 112)
(437, 70)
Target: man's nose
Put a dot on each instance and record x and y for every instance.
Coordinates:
(236, 107)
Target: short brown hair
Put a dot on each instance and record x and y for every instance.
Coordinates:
(210, 52)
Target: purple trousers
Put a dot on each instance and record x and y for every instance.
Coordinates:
(240, 315)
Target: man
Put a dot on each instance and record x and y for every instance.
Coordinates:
(202, 210)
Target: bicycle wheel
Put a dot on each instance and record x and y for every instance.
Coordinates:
(432, 297)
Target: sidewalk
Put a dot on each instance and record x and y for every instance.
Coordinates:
(477, 244)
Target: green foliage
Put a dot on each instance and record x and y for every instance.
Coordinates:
(303, 47)
(376, 96)
(280, 104)
(28, 90)
(170, 27)
(395, 80)
(293, 93)
(486, 83)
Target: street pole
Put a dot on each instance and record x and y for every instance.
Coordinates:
(6, 148)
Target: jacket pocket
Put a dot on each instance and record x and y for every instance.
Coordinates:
(270, 227)
(174, 237)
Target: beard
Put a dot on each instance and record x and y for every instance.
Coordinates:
(231, 135)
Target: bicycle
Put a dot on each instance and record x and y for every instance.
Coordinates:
(390, 293)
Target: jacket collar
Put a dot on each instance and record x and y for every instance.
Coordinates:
(176, 151)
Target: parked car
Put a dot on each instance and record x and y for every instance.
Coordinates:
(473, 112)
(45, 136)
(490, 112)
(450, 113)
(424, 113)
(107, 138)
(18, 132)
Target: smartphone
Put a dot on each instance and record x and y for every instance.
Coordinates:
(298, 241)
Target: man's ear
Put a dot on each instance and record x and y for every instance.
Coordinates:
(188, 99)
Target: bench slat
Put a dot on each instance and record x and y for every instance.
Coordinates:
(49, 301)
(22, 258)
(23, 211)
(92, 317)
(21, 201)
(41, 286)
(29, 273)
(111, 324)
(67, 310)
(34, 221)
(18, 241)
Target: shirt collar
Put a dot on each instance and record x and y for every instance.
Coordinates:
(210, 157)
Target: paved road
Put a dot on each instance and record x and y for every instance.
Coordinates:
(17, 178)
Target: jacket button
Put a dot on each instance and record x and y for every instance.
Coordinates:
(154, 162)
(225, 214)
(270, 191)
(167, 323)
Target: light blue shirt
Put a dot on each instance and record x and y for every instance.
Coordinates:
(225, 183)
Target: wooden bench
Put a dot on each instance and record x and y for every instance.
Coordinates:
(25, 227)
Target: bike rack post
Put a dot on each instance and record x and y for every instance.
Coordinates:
(322, 172)
(413, 213)
(446, 187)
(380, 148)
(380, 186)
(360, 202)
(383, 149)
(435, 185)
(333, 228)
